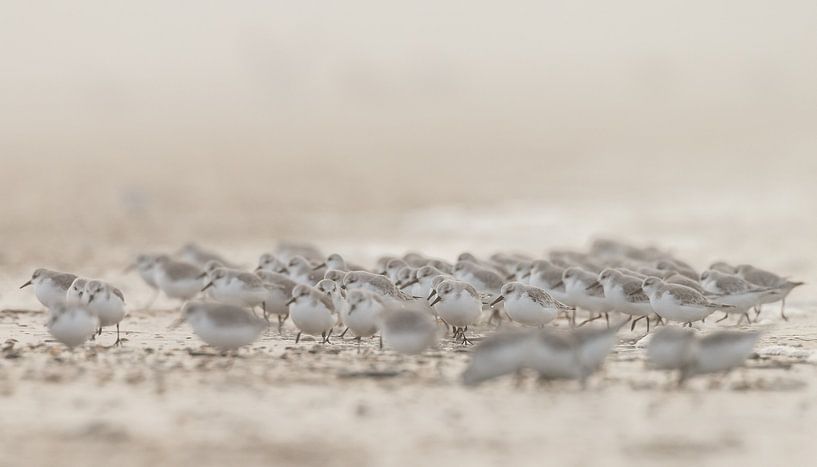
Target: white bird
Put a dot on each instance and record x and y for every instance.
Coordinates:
(679, 303)
(106, 302)
(177, 279)
(762, 278)
(312, 312)
(732, 290)
(529, 305)
(459, 304)
(225, 327)
(73, 296)
(50, 287)
(625, 295)
(362, 313)
(72, 325)
(409, 330)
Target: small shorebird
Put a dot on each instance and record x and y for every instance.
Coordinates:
(50, 287)
(530, 305)
(106, 302)
(312, 312)
(458, 303)
(674, 302)
(225, 327)
(72, 325)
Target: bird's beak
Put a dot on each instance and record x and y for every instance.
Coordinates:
(90, 298)
(26, 285)
(527, 274)
(209, 284)
(290, 301)
(497, 300)
(431, 294)
(202, 275)
(510, 276)
(436, 300)
(592, 286)
(351, 309)
(320, 266)
(258, 268)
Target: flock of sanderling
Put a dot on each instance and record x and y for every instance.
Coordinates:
(411, 301)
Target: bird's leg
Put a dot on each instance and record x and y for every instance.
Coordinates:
(117, 336)
(607, 319)
(632, 326)
(758, 309)
(358, 342)
(298, 337)
(280, 323)
(344, 333)
(648, 324)
(725, 316)
(465, 340)
(266, 315)
(783, 309)
(99, 333)
(589, 320)
(381, 341)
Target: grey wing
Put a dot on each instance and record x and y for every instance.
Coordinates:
(540, 297)
(250, 279)
(634, 292)
(689, 296)
(595, 289)
(732, 285)
(118, 293)
(64, 280)
(181, 270)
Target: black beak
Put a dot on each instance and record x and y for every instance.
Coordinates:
(351, 309)
(90, 298)
(258, 268)
(25, 285)
(320, 266)
(527, 274)
(209, 284)
(202, 275)
(497, 300)
(436, 300)
(290, 301)
(431, 294)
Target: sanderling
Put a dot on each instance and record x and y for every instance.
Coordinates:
(332, 290)
(279, 291)
(672, 349)
(674, 302)
(499, 269)
(225, 327)
(529, 305)
(177, 279)
(482, 278)
(503, 353)
(72, 325)
(73, 296)
(335, 275)
(50, 287)
(409, 330)
(763, 278)
(270, 262)
(392, 269)
(376, 283)
(423, 278)
(362, 315)
(302, 271)
(312, 312)
(459, 304)
(732, 290)
(144, 265)
(678, 267)
(106, 302)
(336, 261)
(625, 295)
(583, 290)
(238, 288)
(198, 256)
(548, 277)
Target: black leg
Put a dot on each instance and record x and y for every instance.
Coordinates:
(117, 335)
(344, 333)
(607, 319)
(298, 337)
(783, 309)
(725, 315)
(358, 343)
(648, 325)
(381, 342)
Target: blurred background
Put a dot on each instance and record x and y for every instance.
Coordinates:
(440, 126)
